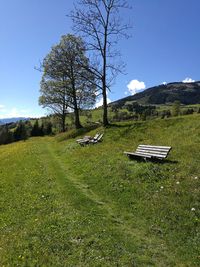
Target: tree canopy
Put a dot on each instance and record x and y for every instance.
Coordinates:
(66, 83)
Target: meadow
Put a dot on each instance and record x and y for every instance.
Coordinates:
(66, 205)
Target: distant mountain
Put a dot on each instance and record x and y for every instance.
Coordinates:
(10, 120)
(186, 93)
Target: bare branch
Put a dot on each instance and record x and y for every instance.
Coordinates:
(99, 23)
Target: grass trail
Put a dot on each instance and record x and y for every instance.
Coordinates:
(107, 212)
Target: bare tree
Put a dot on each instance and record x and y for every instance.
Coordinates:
(100, 24)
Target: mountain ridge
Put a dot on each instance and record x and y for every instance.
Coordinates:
(186, 93)
(11, 120)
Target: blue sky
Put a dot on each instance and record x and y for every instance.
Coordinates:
(165, 47)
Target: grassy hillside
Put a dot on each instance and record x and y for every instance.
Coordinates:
(186, 93)
(66, 205)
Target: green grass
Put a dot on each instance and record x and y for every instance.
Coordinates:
(66, 205)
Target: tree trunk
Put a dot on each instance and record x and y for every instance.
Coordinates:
(105, 108)
(77, 120)
(76, 110)
(63, 123)
(104, 77)
(104, 87)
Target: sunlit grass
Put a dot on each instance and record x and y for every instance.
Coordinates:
(67, 205)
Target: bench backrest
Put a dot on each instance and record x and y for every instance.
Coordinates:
(99, 137)
(154, 151)
(96, 136)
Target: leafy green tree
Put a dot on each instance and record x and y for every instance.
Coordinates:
(100, 24)
(65, 84)
(129, 107)
(47, 130)
(176, 108)
(88, 116)
(36, 129)
(28, 126)
(20, 132)
(42, 129)
(54, 97)
(6, 136)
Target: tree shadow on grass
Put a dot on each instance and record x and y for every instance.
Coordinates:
(115, 125)
(169, 161)
(156, 161)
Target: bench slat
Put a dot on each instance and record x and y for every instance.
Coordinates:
(144, 155)
(156, 147)
(151, 155)
(152, 151)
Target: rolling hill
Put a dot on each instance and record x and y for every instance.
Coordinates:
(66, 205)
(186, 93)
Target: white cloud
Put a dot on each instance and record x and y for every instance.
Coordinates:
(2, 107)
(188, 80)
(99, 103)
(136, 86)
(12, 113)
(164, 83)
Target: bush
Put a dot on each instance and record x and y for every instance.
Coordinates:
(166, 114)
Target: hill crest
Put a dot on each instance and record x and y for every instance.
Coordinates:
(11, 120)
(186, 93)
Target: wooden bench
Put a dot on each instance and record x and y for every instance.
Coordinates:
(150, 152)
(96, 140)
(86, 139)
(90, 140)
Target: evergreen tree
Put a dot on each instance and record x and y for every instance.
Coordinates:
(36, 129)
(20, 132)
(48, 128)
(6, 136)
(41, 130)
